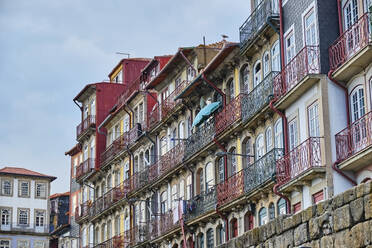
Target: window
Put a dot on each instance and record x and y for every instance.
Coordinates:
(293, 134)
(126, 124)
(24, 188)
(23, 215)
(209, 176)
(93, 107)
(248, 221)
(190, 74)
(103, 232)
(257, 78)
(221, 169)
(282, 206)
(5, 216)
(289, 47)
(313, 119)
(41, 244)
(188, 187)
(231, 90)
(269, 139)
(234, 228)
(163, 145)
(244, 79)
(271, 211)
(200, 181)
(140, 113)
(117, 131)
(233, 163)
(109, 229)
(174, 138)
(39, 218)
(135, 164)
(117, 225)
(126, 171)
(163, 202)
(136, 114)
(181, 130)
(262, 216)
(275, 57)
(4, 243)
(93, 148)
(23, 244)
(310, 29)
(177, 82)
(357, 103)
(318, 196)
(174, 196)
(210, 238)
(266, 64)
(260, 146)
(350, 13)
(86, 111)
(182, 189)
(247, 150)
(296, 207)
(6, 187)
(40, 190)
(278, 139)
(200, 240)
(220, 234)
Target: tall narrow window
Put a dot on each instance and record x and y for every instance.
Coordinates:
(163, 145)
(357, 103)
(233, 163)
(40, 190)
(182, 189)
(200, 243)
(289, 47)
(231, 89)
(271, 211)
(189, 187)
(5, 217)
(278, 139)
(244, 79)
(6, 187)
(257, 74)
(275, 57)
(269, 139)
(181, 130)
(262, 216)
(293, 134)
(209, 176)
(200, 181)
(260, 146)
(174, 196)
(350, 13)
(266, 64)
(210, 238)
(310, 29)
(190, 74)
(23, 215)
(234, 228)
(282, 206)
(39, 218)
(248, 221)
(163, 202)
(220, 234)
(93, 107)
(24, 188)
(140, 113)
(313, 119)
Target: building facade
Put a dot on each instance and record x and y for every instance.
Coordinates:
(203, 146)
(59, 218)
(24, 208)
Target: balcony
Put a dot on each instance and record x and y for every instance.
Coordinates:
(297, 76)
(162, 225)
(300, 165)
(83, 128)
(139, 180)
(262, 171)
(354, 144)
(85, 168)
(230, 189)
(132, 88)
(257, 23)
(201, 204)
(83, 211)
(230, 114)
(258, 98)
(352, 51)
(200, 138)
(116, 241)
(29, 228)
(136, 235)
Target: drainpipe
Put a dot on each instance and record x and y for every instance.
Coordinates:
(216, 88)
(335, 168)
(346, 95)
(339, 16)
(103, 123)
(288, 202)
(226, 223)
(130, 116)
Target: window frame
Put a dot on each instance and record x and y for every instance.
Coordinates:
(18, 216)
(20, 181)
(44, 220)
(315, 118)
(11, 186)
(46, 189)
(10, 215)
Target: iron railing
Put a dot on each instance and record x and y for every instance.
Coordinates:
(130, 89)
(201, 204)
(230, 114)
(258, 98)
(354, 138)
(89, 121)
(261, 171)
(306, 62)
(350, 42)
(253, 25)
(200, 138)
(230, 189)
(85, 168)
(299, 160)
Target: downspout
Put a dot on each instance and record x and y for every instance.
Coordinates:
(339, 16)
(226, 223)
(216, 88)
(130, 116)
(282, 115)
(77, 104)
(335, 168)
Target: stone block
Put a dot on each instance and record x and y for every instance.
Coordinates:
(343, 239)
(263, 235)
(326, 242)
(288, 238)
(342, 218)
(301, 234)
(368, 187)
(349, 195)
(357, 236)
(359, 190)
(288, 223)
(297, 219)
(368, 206)
(338, 201)
(308, 213)
(279, 225)
(367, 232)
(325, 223)
(357, 209)
(314, 230)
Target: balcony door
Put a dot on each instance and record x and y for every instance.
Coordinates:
(359, 128)
(5, 219)
(351, 31)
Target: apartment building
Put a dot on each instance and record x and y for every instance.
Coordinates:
(24, 206)
(59, 220)
(217, 139)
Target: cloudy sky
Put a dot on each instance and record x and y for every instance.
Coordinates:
(51, 48)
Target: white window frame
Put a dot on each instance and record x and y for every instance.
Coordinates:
(310, 10)
(275, 56)
(266, 65)
(269, 139)
(260, 146)
(293, 133)
(290, 33)
(313, 119)
(257, 76)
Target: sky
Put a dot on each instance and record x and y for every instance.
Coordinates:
(50, 49)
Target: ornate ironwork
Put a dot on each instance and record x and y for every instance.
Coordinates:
(354, 138)
(262, 170)
(231, 113)
(357, 37)
(253, 25)
(84, 168)
(201, 204)
(131, 88)
(306, 62)
(200, 138)
(89, 121)
(301, 159)
(231, 188)
(258, 98)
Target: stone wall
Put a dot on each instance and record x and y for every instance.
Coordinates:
(343, 221)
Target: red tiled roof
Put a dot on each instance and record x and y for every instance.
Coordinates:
(59, 195)
(23, 172)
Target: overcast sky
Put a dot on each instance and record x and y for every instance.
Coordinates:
(51, 48)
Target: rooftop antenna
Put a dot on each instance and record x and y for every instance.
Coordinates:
(126, 54)
(224, 36)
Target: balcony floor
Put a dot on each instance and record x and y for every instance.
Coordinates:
(354, 65)
(303, 179)
(86, 133)
(357, 161)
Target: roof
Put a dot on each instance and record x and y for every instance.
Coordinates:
(59, 195)
(74, 150)
(217, 45)
(24, 172)
(127, 59)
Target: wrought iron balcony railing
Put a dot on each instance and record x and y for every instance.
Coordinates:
(258, 98)
(351, 41)
(354, 138)
(85, 124)
(230, 114)
(136, 235)
(85, 168)
(200, 138)
(253, 25)
(82, 211)
(201, 204)
(230, 189)
(262, 170)
(130, 89)
(118, 241)
(305, 63)
(298, 161)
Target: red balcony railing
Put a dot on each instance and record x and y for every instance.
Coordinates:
(166, 222)
(129, 90)
(118, 241)
(350, 42)
(354, 138)
(306, 62)
(171, 159)
(84, 168)
(85, 124)
(231, 113)
(82, 211)
(301, 159)
(231, 188)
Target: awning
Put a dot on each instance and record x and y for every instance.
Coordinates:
(205, 112)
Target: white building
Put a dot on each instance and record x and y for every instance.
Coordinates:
(24, 208)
